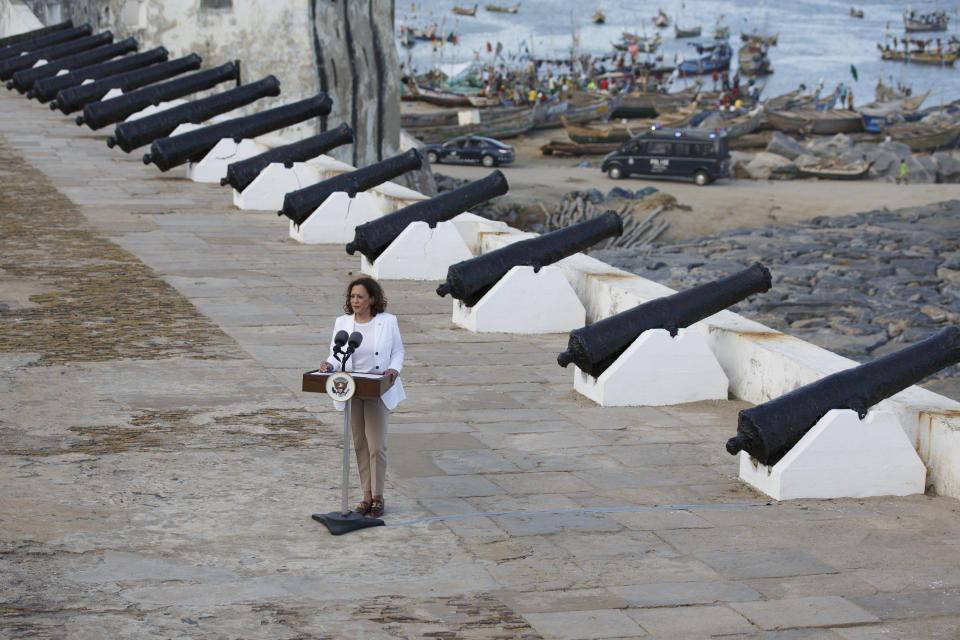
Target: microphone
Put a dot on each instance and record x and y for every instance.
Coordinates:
(340, 339)
(354, 341)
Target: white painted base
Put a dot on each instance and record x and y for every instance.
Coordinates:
(267, 190)
(843, 457)
(419, 253)
(214, 164)
(336, 219)
(658, 370)
(524, 302)
(156, 108)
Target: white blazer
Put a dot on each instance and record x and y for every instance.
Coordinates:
(387, 353)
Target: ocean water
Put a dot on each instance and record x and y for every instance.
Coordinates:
(819, 40)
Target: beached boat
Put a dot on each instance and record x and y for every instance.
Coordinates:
(498, 9)
(925, 137)
(829, 171)
(810, 121)
(646, 104)
(579, 108)
(883, 93)
(785, 100)
(620, 132)
(441, 97)
(563, 148)
(496, 125)
(460, 11)
(918, 56)
(734, 126)
(914, 22)
(692, 32)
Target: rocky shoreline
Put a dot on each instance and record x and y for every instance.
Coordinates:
(784, 157)
(862, 285)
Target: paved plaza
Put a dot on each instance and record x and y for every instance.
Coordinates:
(159, 463)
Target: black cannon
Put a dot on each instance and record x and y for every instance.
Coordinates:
(299, 204)
(241, 174)
(7, 41)
(72, 98)
(371, 238)
(45, 40)
(11, 65)
(100, 114)
(469, 280)
(24, 79)
(46, 88)
(167, 153)
(131, 135)
(594, 347)
(769, 430)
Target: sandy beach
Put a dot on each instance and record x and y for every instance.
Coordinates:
(726, 204)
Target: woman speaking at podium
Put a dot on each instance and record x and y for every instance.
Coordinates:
(381, 351)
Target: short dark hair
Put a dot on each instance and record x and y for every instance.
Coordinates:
(374, 290)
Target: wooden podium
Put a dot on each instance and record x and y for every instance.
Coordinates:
(365, 386)
(369, 385)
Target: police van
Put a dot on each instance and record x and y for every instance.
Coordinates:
(698, 154)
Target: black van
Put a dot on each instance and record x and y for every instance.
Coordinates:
(681, 153)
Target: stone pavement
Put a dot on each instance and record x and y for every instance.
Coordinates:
(159, 463)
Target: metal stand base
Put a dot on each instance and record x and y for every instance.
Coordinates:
(340, 523)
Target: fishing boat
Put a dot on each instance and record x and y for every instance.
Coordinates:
(918, 56)
(460, 11)
(717, 59)
(720, 30)
(599, 18)
(693, 32)
(884, 93)
(828, 121)
(630, 41)
(914, 22)
(760, 38)
(753, 60)
(660, 20)
(925, 137)
(829, 171)
(498, 9)
(787, 100)
(856, 13)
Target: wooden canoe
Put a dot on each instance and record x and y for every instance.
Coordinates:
(465, 12)
(852, 171)
(827, 121)
(920, 137)
(499, 126)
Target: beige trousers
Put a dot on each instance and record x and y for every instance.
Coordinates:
(368, 424)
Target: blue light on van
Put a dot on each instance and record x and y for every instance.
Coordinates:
(677, 134)
(713, 135)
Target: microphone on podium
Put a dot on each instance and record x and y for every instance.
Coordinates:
(353, 342)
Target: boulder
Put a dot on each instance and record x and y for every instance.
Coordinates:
(738, 169)
(947, 165)
(831, 147)
(764, 164)
(785, 146)
(806, 160)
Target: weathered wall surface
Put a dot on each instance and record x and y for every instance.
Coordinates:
(343, 48)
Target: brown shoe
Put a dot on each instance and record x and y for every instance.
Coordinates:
(363, 508)
(376, 508)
